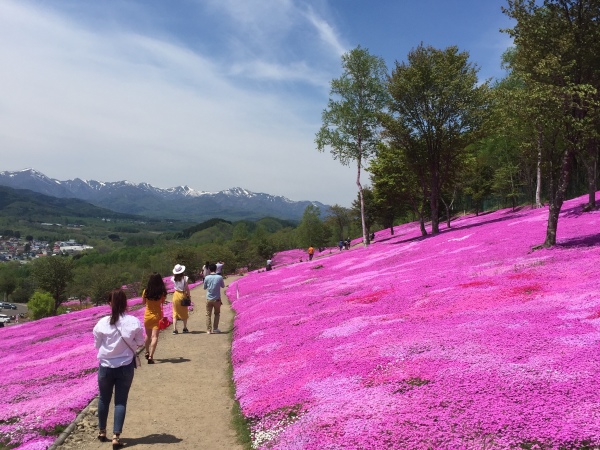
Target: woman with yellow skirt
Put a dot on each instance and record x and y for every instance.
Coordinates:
(182, 291)
(153, 297)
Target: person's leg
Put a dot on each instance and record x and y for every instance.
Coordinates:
(123, 380)
(175, 316)
(106, 383)
(155, 333)
(148, 342)
(209, 308)
(217, 314)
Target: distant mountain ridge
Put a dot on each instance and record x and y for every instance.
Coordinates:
(181, 202)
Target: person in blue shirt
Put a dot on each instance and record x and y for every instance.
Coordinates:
(212, 285)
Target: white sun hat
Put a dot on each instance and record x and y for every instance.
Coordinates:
(178, 269)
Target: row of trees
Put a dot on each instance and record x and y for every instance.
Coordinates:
(241, 245)
(433, 135)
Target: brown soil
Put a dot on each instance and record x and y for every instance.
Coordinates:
(181, 402)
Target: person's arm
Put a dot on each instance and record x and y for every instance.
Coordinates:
(97, 337)
(138, 337)
(187, 288)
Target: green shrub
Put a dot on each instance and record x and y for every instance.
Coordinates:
(40, 305)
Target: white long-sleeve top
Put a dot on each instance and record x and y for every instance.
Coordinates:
(112, 349)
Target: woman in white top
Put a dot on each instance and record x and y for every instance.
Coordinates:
(182, 290)
(116, 337)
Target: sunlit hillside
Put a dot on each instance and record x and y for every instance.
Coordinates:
(467, 339)
(49, 374)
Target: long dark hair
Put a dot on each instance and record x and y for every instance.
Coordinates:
(118, 304)
(156, 289)
(178, 276)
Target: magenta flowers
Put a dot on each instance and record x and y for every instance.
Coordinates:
(49, 374)
(466, 339)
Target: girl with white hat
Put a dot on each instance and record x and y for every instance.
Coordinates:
(182, 291)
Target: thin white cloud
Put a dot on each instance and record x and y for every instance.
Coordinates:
(116, 105)
(326, 32)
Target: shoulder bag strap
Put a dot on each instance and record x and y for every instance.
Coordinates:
(134, 353)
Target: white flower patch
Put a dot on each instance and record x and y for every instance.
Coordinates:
(252, 337)
(352, 326)
(268, 348)
(462, 249)
(460, 239)
(582, 340)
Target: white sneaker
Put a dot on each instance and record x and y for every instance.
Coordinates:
(216, 331)
(208, 332)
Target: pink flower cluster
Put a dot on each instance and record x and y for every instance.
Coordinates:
(464, 340)
(49, 371)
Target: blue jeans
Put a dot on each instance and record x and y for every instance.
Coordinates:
(119, 378)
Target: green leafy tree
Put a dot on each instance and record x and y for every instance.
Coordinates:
(365, 210)
(263, 242)
(103, 280)
(350, 123)
(188, 256)
(9, 276)
(340, 218)
(53, 274)
(40, 305)
(395, 188)
(438, 105)
(479, 179)
(556, 54)
(311, 231)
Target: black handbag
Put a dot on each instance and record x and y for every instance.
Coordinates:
(186, 300)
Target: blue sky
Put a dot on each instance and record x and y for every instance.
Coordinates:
(212, 94)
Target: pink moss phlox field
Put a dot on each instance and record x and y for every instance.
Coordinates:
(464, 340)
(49, 374)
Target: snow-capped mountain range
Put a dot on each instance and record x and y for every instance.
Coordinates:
(181, 202)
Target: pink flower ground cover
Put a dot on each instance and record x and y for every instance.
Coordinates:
(464, 340)
(49, 374)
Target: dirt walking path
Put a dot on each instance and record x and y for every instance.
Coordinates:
(183, 401)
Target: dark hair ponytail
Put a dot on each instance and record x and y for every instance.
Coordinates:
(118, 304)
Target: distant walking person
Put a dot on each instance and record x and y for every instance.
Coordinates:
(153, 297)
(311, 253)
(116, 337)
(219, 266)
(212, 285)
(341, 244)
(269, 264)
(182, 291)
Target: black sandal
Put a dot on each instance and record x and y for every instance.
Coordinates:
(116, 442)
(147, 355)
(150, 360)
(102, 436)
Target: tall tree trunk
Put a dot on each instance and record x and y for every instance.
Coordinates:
(434, 200)
(591, 172)
(422, 225)
(538, 183)
(362, 203)
(447, 208)
(557, 199)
